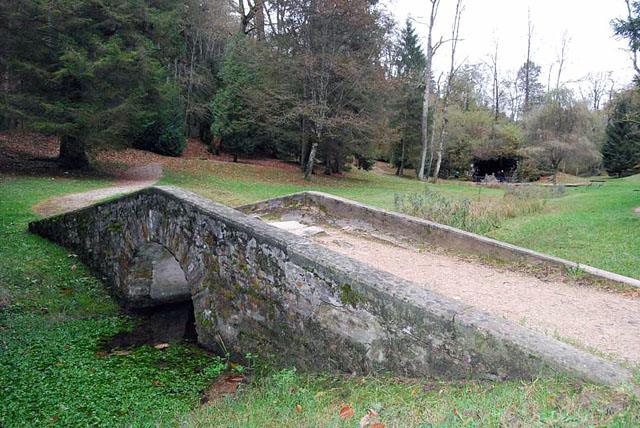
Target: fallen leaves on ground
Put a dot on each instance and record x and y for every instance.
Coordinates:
(371, 420)
(346, 411)
(224, 386)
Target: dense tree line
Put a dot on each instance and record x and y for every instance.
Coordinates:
(621, 150)
(92, 73)
(327, 84)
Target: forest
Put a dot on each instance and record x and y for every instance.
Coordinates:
(331, 85)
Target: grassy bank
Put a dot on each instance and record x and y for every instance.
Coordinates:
(288, 399)
(236, 184)
(592, 225)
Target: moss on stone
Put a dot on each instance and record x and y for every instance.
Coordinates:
(114, 227)
(349, 296)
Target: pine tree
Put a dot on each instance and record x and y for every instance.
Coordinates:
(410, 66)
(82, 70)
(411, 59)
(233, 120)
(621, 150)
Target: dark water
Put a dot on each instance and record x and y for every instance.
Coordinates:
(171, 323)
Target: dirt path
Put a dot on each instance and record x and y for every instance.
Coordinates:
(586, 317)
(130, 181)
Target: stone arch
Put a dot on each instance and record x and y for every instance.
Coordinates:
(155, 277)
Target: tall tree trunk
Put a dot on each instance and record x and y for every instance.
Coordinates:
(424, 136)
(187, 106)
(311, 161)
(527, 75)
(328, 165)
(445, 111)
(400, 170)
(303, 144)
(243, 17)
(260, 19)
(496, 85)
(561, 60)
(432, 144)
(73, 153)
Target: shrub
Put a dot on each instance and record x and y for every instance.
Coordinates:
(171, 141)
(161, 130)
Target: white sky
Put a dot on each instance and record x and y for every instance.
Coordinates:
(592, 46)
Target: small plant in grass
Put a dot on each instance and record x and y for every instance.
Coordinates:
(576, 272)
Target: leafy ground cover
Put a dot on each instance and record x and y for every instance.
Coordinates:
(287, 399)
(53, 317)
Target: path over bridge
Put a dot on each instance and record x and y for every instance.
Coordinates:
(262, 290)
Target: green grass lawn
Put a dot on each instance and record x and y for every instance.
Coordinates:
(237, 184)
(54, 315)
(589, 225)
(272, 400)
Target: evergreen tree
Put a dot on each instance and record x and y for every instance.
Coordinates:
(233, 120)
(411, 59)
(82, 70)
(621, 150)
(410, 65)
(528, 81)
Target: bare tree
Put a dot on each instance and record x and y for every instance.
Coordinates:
(527, 71)
(596, 85)
(455, 37)
(424, 136)
(496, 90)
(612, 89)
(562, 57)
(549, 77)
(512, 94)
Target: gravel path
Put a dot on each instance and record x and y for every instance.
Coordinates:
(594, 319)
(130, 181)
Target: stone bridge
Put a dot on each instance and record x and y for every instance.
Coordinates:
(259, 289)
